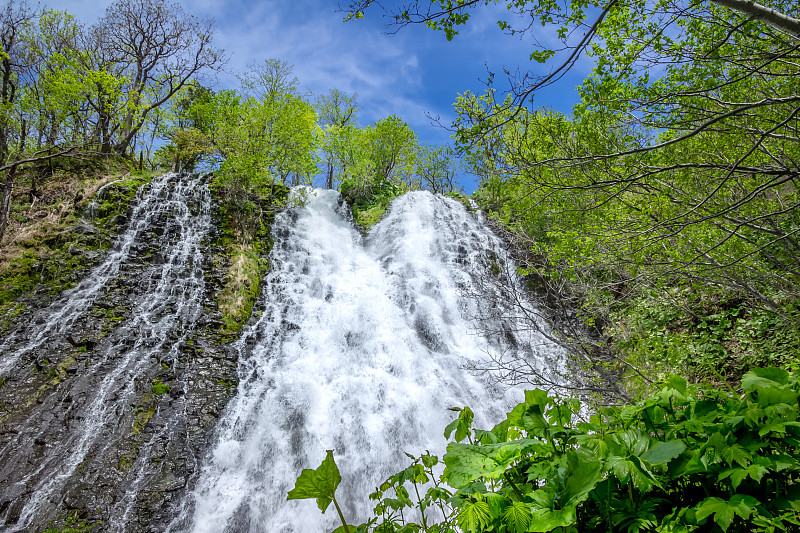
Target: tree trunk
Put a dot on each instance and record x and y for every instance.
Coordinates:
(5, 199)
(774, 18)
(329, 181)
(105, 135)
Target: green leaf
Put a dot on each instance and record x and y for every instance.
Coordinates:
(764, 377)
(467, 462)
(448, 430)
(517, 517)
(677, 384)
(361, 528)
(320, 483)
(735, 453)
(581, 477)
(724, 512)
(631, 469)
(781, 462)
(461, 425)
(474, 516)
(547, 519)
(497, 503)
(737, 475)
(768, 396)
(664, 452)
(429, 460)
(756, 472)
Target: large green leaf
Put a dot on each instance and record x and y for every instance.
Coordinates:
(631, 469)
(580, 478)
(724, 512)
(474, 516)
(320, 483)
(461, 425)
(764, 377)
(768, 396)
(467, 462)
(664, 452)
(547, 519)
(517, 517)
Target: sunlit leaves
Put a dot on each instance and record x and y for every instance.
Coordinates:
(474, 516)
(467, 462)
(320, 483)
(724, 512)
(462, 425)
(671, 461)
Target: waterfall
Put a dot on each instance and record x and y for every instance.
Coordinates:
(79, 442)
(361, 346)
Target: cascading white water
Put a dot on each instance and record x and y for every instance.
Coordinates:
(161, 315)
(361, 348)
(60, 316)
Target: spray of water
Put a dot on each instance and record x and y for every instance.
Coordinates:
(361, 347)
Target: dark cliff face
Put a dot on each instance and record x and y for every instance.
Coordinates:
(109, 391)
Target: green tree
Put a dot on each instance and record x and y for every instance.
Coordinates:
(187, 122)
(337, 112)
(394, 151)
(158, 48)
(271, 80)
(436, 169)
(677, 174)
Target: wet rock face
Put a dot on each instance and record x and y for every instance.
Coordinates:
(109, 391)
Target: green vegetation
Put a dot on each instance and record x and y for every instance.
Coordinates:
(49, 245)
(662, 212)
(143, 415)
(685, 459)
(661, 217)
(158, 388)
(242, 283)
(246, 255)
(72, 90)
(73, 523)
(369, 205)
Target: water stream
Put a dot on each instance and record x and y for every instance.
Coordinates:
(361, 347)
(359, 344)
(79, 427)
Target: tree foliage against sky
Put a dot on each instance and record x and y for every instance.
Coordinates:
(69, 89)
(674, 180)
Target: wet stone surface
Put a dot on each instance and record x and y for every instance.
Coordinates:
(110, 391)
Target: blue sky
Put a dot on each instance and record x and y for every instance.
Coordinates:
(410, 73)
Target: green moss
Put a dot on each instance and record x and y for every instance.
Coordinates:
(370, 216)
(242, 284)
(159, 387)
(50, 261)
(9, 311)
(370, 203)
(143, 416)
(226, 383)
(245, 252)
(72, 523)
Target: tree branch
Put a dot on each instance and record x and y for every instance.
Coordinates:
(779, 20)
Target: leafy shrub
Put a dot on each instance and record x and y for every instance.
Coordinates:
(369, 199)
(685, 459)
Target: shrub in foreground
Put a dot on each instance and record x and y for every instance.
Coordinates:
(685, 459)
